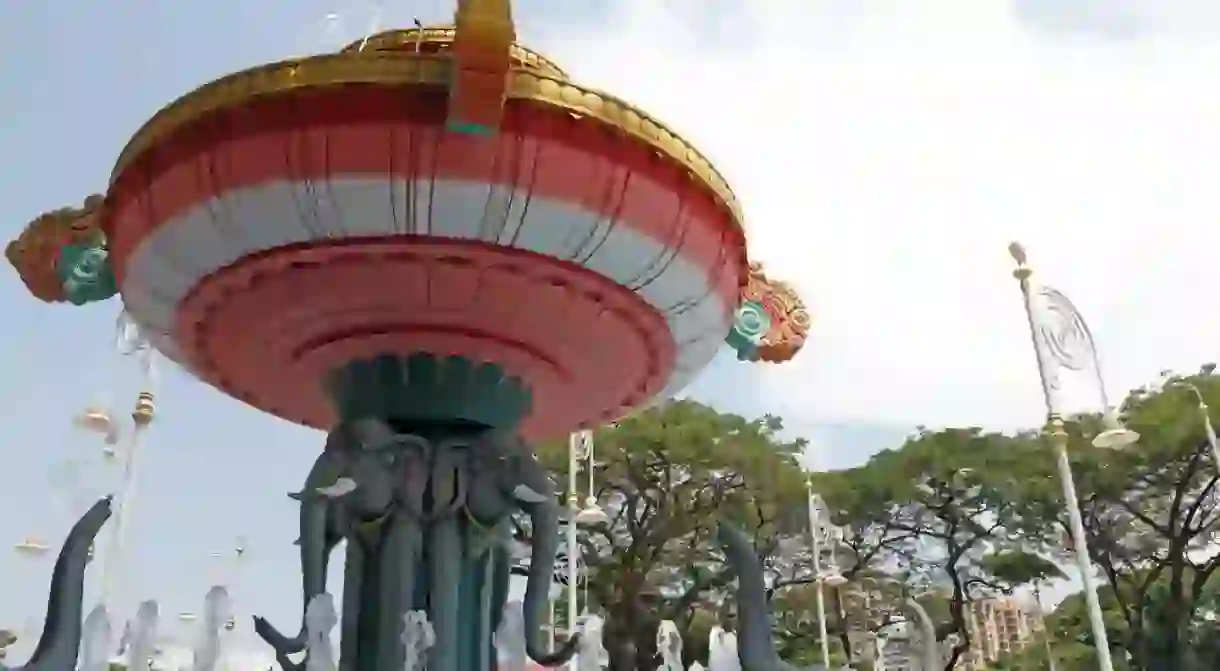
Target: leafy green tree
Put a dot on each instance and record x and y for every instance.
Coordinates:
(1150, 515)
(7, 638)
(666, 476)
(938, 506)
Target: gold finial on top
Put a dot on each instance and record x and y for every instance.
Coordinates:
(1017, 252)
(145, 410)
(484, 36)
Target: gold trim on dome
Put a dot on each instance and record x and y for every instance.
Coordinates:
(405, 39)
(395, 69)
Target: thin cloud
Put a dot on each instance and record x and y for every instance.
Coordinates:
(1122, 19)
(886, 157)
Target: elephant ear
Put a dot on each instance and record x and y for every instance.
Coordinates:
(372, 432)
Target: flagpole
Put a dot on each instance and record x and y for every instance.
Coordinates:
(1059, 439)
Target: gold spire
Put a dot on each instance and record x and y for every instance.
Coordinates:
(482, 50)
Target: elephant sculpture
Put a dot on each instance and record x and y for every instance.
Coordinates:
(425, 517)
(59, 644)
(756, 647)
(755, 644)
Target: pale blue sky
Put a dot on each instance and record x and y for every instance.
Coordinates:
(76, 79)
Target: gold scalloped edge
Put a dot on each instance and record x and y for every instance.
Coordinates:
(395, 69)
(282, 77)
(406, 38)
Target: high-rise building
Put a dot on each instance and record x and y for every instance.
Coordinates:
(997, 627)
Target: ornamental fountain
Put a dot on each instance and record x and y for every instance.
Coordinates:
(436, 247)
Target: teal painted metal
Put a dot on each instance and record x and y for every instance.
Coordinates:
(467, 128)
(751, 323)
(84, 272)
(424, 388)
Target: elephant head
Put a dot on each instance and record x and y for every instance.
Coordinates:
(330, 512)
(491, 494)
(61, 633)
(535, 494)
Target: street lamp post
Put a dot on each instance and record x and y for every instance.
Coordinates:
(1046, 634)
(821, 578)
(580, 448)
(577, 449)
(816, 550)
(1074, 333)
(95, 420)
(1205, 414)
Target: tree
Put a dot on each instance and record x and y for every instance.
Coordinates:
(667, 475)
(939, 506)
(7, 638)
(1150, 515)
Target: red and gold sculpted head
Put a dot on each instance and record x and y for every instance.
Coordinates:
(35, 252)
(789, 318)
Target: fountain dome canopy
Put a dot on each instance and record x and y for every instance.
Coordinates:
(437, 192)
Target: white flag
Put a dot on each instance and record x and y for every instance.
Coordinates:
(1063, 336)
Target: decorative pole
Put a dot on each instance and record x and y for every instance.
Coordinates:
(129, 341)
(576, 452)
(1046, 632)
(815, 527)
(142, 417)
(1205, 414)
(1059, 439)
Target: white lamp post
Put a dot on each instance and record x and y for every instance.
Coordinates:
(1046, 632)
(815, 533)
(1061, 339)
(1205, 414)
(129, 342)
(592, 514)
(577, 448)
(580, 448)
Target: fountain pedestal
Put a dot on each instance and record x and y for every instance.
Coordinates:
(420, 478)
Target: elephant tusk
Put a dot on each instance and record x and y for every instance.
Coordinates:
(526, 495)
(342, 487)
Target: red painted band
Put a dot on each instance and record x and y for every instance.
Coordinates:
(363, 131)
(267, 328)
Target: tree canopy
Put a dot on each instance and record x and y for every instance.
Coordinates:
(667, 475)
(952, 517)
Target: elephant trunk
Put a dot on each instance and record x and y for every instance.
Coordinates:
(544, 517)
(315, 548)
(928, 651)
(60, 641)
(755, 645)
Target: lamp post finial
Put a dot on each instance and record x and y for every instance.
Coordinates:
(1017, 252)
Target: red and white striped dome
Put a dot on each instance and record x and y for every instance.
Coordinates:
(270, 239)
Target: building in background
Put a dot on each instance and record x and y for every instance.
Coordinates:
(997, 627)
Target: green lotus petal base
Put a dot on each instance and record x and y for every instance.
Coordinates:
(425, 388)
